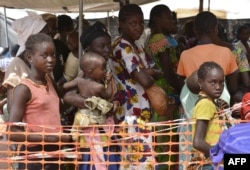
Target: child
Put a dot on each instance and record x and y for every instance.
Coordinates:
(96, 96)
(206, 129)
(32, 104)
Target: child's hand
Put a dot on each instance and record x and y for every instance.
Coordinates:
(116, 104)
(108, 77)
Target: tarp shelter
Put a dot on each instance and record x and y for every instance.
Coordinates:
(61, 6)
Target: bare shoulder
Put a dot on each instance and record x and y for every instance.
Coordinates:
(23, 92)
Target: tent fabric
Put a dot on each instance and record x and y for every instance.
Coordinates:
(61, 6)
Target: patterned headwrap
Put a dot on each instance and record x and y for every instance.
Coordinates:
(96, 30)
(26, 26)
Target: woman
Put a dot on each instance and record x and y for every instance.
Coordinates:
(163, 49)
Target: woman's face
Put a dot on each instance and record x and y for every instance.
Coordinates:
(132, 28)
(166, 22)
(101, 46)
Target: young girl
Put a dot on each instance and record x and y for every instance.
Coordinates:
(207, 112)
(135, 111)
(32, 104)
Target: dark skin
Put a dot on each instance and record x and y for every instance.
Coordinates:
(45, 30)
(244, 75)
(164, 24)
(232, 82)
(212, 84)
(42, 62)
(132, 28)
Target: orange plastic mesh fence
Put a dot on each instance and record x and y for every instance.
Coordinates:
(165, 134)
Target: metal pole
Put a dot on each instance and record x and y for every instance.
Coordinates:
(108, 22)
(80, 25)
(6, 30)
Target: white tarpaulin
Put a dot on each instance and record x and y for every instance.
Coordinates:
(60, 6)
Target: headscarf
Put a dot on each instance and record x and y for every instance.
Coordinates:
(96, 30)
(26, 26)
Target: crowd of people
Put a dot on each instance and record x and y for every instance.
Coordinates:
(47, 86)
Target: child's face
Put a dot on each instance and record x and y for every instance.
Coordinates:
(132, 28)
(101, 46)
(99, 71)
(213, 83)
(43, 58)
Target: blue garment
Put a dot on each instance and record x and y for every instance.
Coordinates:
(113, 157)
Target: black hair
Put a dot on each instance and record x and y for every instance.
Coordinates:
(156, 12)
(241, 29)
(205, 22)
(188, 29)
(206, 67)
(129, 10)
(32, 41)
(14, 50)
(64, 21)
(98, 29)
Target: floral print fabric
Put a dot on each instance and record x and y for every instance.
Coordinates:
(135, 108)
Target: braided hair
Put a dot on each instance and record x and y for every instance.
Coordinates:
(206, 67)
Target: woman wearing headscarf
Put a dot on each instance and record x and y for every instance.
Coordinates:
(19, 67)
(96, 39)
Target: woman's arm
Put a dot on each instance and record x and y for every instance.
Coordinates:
(155, 72)
(169, 73)
(232, 82)
(199, 142)
(143, 78)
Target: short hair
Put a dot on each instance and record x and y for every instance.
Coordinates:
(205, 22)
(206, 67)
(88, 60)
(33, 40)
(156, 12)
(241, 29)
(64, 21)
(129, 10)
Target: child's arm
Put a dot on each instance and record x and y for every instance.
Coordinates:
(199, 142)
(71, 84)
(155, 72)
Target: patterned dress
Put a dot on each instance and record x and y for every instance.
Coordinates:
(157, 44)
(135, 108)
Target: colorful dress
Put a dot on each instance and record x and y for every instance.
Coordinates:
(157, 44)
(135, 108)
